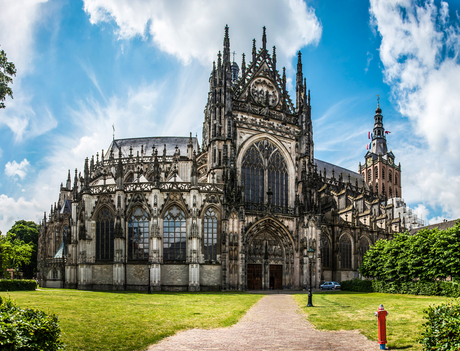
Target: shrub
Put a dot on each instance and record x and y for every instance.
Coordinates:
(443, 327)
(356, 285)
(27, 329)
(17, 284)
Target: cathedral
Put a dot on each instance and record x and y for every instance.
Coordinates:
(238, 211)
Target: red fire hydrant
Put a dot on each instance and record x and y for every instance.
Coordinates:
(381, 314)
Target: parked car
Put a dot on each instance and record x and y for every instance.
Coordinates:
(330, 286)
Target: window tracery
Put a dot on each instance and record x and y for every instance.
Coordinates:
(325, 252)
(210, 235)
(345, 251)
(363, 248)
(105, 230)
(263, 166)
(138, 235)
(174, 235)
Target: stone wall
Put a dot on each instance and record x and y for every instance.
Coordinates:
(210, 277)
(174, 277)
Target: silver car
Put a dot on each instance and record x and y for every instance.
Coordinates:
(330, 286)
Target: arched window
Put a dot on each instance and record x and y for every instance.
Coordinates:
(138, 235)
(174, 235)
(104, 235)
(210, 235)
(325, 252)
(390, 176)
(130, 178)
(369, 175)
(252, 173)
(396, 179)
(264, 162)
(396, 192)
(376, 173)
(278, 179)
(383, 188)
(345, 251)
(363, 247)
(383, 173)
(390, 192)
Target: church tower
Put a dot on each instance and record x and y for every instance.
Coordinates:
(379, 170)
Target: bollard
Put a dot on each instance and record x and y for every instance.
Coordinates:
(381, 314)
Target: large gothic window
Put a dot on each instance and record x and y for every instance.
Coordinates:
(363, 247)
(252, 173)
(210, 235)
(174, 235)
(138, 235)
(104, 235)
(278, 179)
(325, 252)
(264, 167)
(345, 251)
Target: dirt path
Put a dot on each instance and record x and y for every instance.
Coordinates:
(274, 323)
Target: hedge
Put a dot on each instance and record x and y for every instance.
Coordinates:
(17, 284)
(436, 288)
(443, 327)
(27, 329)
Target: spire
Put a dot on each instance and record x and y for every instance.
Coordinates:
(194, 170)
(274, 58)
(254, 51)
(299, 79)
(86, 187)
(75, 184)
(69, 181)
(119, 171)
(226, 46)
(156, 169)
(243, 65)
(379, 142)
(219, 65)
(264, 40)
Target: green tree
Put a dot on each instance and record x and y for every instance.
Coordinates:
(13, 252)
(7, 71)
(28, 232)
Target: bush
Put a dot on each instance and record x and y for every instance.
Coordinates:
(27, 329)
(356, 285)
(436, 288)
(17, 284)
(443, 327)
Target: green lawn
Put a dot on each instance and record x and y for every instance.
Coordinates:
(129, 320)
(355, 311)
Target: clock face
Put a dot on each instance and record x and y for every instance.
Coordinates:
(390, 161)
(369, 161)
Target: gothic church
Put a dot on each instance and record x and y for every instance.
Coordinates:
(237, 212)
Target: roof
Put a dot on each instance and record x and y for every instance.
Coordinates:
(340, 170)
(441, 226)
(147, 143)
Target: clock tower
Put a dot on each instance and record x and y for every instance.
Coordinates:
(379, 170)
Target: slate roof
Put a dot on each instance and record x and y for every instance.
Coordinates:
(340, 170)
(441, 226)
(148, 142)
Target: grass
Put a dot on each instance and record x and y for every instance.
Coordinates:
(93, 321)
(355, 311)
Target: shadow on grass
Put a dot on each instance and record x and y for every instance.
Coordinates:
(400, 347)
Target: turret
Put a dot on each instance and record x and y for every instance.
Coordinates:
(299, 85)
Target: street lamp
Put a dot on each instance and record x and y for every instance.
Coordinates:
(311, 256)
(149, 290)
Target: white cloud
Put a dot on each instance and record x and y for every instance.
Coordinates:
(419, 50)
(12, 210)
(14, 169)
(187, 29)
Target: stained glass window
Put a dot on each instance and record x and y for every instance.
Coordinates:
(278, 179)
(325, 252)
(345, 251)
(210, 235)
(104, 235)
(363, 247)
(252, 172)
(263, 162)
(138, 235)
(174, 235)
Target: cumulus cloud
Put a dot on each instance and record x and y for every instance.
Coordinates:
(187, 29)
(419, 50)
(14, 169)
(12, 210)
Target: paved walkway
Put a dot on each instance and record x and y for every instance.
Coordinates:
(274, 323)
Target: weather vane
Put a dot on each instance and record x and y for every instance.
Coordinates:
(234, 53)
(378, 100)
(113, 127)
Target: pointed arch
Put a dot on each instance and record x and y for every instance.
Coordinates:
(211, 230)
(346, 250)
(174, 234)
(138, 234)
(105, 230)
(325, 246)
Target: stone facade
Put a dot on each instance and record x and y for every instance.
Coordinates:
(238, 212)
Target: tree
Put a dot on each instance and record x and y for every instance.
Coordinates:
(7, 71)
(27, 231)
(13, 252)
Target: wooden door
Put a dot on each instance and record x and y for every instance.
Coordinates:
(254, 277)
(276, 276)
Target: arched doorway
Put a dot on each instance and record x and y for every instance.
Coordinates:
(269, 256)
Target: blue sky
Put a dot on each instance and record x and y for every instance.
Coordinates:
(144, 66)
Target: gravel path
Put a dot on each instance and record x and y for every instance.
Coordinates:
(274, 323)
